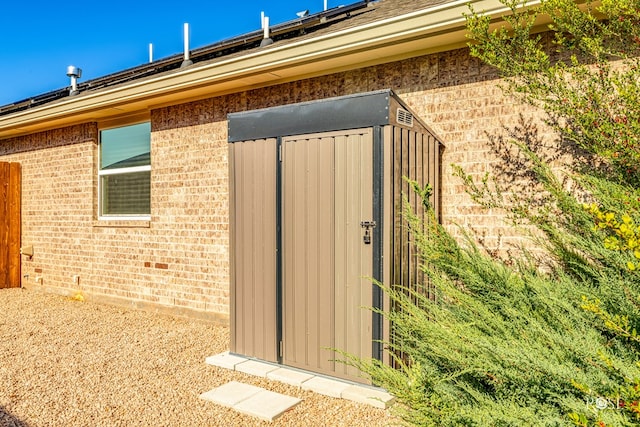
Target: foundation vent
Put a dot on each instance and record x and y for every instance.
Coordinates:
(404, 117)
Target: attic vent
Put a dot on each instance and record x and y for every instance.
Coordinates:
(404, 117)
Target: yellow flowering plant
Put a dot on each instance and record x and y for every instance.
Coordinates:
(623, 233)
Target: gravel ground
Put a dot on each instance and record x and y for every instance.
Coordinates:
(70, 363)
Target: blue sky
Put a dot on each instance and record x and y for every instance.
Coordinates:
(40, 38)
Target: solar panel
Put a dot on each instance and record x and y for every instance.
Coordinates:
(247, 41)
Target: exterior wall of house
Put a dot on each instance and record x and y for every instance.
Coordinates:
(57, 194)
(178, 261)
(175, 262)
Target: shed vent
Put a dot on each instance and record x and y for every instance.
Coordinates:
(404, 117)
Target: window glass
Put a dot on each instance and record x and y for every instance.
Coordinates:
(126, 193)
(125, 147)
(125, 172)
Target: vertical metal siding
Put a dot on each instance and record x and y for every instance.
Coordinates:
(354, 203)
(307, 252)
(326, 193)
(417, 157)
(388, 215)
(253, 248)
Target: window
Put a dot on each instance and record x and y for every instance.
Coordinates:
(125, 172)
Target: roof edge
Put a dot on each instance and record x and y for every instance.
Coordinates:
(415, 30)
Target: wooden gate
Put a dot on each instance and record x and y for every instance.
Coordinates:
(9, 225)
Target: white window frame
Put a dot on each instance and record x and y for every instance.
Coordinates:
(118, 171)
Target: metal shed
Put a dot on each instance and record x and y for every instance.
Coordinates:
(316, 212)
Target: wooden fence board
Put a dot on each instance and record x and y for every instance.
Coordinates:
(10, 212)
(15, 220)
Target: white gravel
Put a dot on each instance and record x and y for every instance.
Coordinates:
(70, 363)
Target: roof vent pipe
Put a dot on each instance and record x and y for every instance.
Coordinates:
(325, 5)
(74, 73)
(266, 40)
(186, 61)
(150, 53)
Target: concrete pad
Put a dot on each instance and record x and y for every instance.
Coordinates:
(325, 386)
(370, 396)
(289, 376)
(225, 360)
(266, 405)
(255, 367)
(231, 394)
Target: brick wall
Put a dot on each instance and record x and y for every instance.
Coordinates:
(178, 261)
(57, 197)
(459, 98)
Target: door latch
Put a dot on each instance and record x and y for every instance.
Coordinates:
(367, 225)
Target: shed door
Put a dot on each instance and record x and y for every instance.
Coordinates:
(326, 194)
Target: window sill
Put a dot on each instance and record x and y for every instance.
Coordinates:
(122, 223)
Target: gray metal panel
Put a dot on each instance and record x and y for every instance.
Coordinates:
(333, 114)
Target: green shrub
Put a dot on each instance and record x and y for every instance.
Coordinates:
(508, 343)
(497, 345)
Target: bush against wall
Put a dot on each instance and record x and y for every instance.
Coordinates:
(506, 342)
(501, 345)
